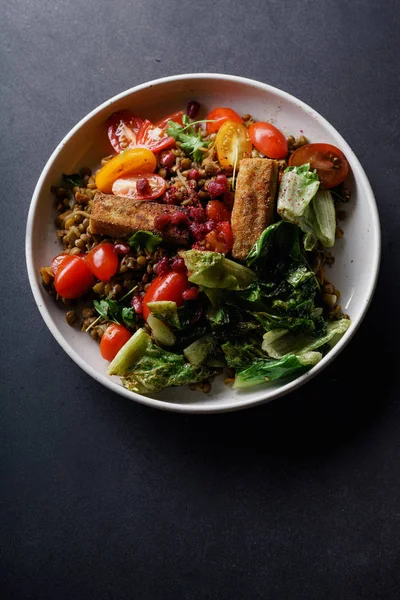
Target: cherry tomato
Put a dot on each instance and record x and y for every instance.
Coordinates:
(268, 139)
(103, 261)
(123, 127)
(73, 278)
(176, 117)
(232, 143)
(153, 137)
(134, 160)
(330, 162)
(57, 262)
(114, 337)
(127, 186)
(220, 239)
(219, 116)
(165, 287)
(217, 211)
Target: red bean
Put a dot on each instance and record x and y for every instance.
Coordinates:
(215, 189)
(194, 174)
(192, 109)
(137, 304)
(222, 180)
(122, 248)
(168, 160)
(162, 267)
(142, 185)
(178, 264)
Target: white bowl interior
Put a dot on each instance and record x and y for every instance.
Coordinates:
(356, 255)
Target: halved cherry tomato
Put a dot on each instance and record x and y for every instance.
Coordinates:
(219, 116)
(220, 239)
(123, 127)
(165, 287)
(57, 262)
(73, 278)
(330, 162)
(176, 117)
(153, 137)
(268, 139)
(126, 186)
(232, 143)
(217, 211)
(114, 337)
(135, 160)
(103, 261)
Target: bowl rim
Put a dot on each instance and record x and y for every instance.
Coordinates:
(238, 402)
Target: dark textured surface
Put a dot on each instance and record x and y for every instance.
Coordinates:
(102, 498)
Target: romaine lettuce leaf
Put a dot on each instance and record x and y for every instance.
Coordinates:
(269, 370)
(240, 355)
(302, 203)
(297, 188)
(213, 270)
(158, 369)
(281, 342)
(201, 350)
(277, 248)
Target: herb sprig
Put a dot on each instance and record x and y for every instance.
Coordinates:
(191, 141)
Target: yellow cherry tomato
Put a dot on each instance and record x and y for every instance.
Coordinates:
(135, 160)
(232, 143)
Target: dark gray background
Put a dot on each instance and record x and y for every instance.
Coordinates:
(103, 498)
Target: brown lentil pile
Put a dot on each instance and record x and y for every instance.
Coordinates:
(136, 268)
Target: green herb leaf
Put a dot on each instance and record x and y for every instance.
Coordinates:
(108, 309)
(144, 240)
(75, 180)
(191, 140)
(128, 316)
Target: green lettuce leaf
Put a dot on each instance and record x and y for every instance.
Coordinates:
(166, 311)
(302, 203)
(269, 370)
(240, 355)
(297, 188)
(322, 219)
(277, 252)
(200, 350)
(213, 270)
(281, 342)
(158, 369)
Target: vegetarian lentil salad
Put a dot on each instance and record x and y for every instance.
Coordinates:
(200, 246)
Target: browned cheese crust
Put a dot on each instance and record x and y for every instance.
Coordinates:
(254, 205)
(118, 216)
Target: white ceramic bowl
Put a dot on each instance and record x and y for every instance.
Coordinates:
(357, 254)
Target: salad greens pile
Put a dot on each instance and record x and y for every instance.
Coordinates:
(300, 201)
(264, 319)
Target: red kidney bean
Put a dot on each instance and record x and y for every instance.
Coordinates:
(192, 109)
(121, 248)
(142, 185)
